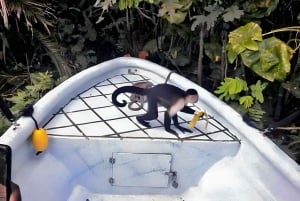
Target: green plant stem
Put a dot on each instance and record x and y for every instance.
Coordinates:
(144, 15)
(224, 62)
(295, 29)
(286, 29)
(171, 43)
(278, 107)
(288, 128)
(116, 25)
(127, 20)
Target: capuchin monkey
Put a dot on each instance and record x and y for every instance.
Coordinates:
(171, 97)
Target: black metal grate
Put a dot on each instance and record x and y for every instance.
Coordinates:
(92, 115)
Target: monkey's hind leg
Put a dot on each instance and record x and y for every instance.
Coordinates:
(167, 124)
(142, 121)
(151, 114)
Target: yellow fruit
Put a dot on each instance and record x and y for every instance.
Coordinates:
(39, 140)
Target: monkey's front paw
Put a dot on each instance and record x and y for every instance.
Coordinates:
(182, 129)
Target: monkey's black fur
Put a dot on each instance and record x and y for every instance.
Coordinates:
(166, 95)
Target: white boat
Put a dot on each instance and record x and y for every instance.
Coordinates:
(99, 152)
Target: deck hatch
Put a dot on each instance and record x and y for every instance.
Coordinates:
(141, 169)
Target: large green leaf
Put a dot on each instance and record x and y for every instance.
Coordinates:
(244, 38)
(231, 54)
(213, 50)
(246, 101)
(272, 61)
(231, 13)
(174, 11)
(231, 87)
(256, 113)
(40, 81)
(65, 26)
(209, 20)
(175, 18)
(293, 86)
(257, 89)
(260, 8)
(250, 57)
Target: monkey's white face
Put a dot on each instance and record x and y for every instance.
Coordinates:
(191, 99)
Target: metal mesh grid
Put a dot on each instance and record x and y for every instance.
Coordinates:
(91, 114)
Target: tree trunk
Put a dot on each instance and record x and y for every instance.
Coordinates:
(200, 56)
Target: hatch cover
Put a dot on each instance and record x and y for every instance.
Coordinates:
(141, 169)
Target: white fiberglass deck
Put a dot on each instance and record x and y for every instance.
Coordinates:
(143, 158)
(98, 152)
(92, 114)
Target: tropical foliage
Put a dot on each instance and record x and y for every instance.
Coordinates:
(269, 58)
(249, 97)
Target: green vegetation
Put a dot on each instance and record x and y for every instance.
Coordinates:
(247, 52)
(269, 58)
(250, 98)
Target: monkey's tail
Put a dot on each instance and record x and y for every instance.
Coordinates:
(126, 89)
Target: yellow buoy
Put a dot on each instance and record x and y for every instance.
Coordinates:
(39, 140)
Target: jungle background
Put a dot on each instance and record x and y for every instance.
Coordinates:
(245, 52)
